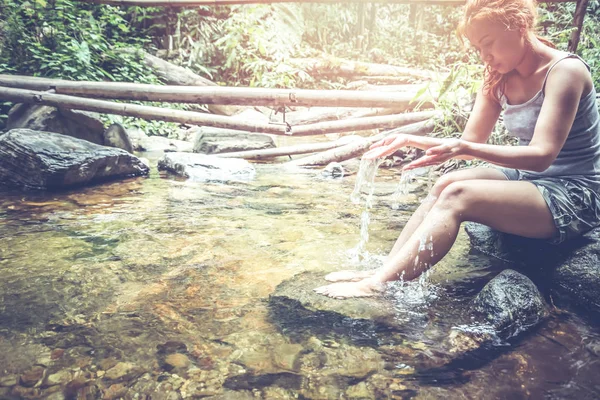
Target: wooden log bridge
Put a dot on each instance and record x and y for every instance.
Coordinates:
(213, 94)
(196, 118)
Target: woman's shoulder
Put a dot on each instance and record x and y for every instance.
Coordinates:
(571, 69)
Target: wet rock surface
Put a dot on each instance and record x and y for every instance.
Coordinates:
(569, 271)
(216, 140)
(199, 167)
(78, 124)
(44, 160)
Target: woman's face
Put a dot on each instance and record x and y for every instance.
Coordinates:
(499, 47)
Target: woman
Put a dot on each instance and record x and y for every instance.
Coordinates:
(546, 188)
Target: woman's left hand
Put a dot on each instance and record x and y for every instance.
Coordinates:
(451, 148)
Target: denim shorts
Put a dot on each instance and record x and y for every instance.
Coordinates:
(575, 206)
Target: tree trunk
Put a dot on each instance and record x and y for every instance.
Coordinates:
(355, 149)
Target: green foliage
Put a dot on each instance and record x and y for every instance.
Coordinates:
(556, 20)
(68, 39)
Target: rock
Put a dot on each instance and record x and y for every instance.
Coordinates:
(295, 300)
(507, 306)
(159, 143)
(33, 377)
(510, 303)
(570, 271)
(44, 160)
(9, 380)
(118, 390)
(577, 278)
(217, 140)
(172, 346)
(116, 136)
(78, 124)
(200, 167)
(333, 170)
(177, 361)
(359, 391)
(60, 378)
(123, 370)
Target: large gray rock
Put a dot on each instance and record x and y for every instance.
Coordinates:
(116, 136)
(200, 167)
(510, 303)
(142, 142)
(46, 160)
(216, 140)
(79, 124)
(570, 271)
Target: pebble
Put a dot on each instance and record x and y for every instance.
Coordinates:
(33, 376)
(177, 360)
(9, 380)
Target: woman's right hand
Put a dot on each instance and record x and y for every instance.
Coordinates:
(387, 146)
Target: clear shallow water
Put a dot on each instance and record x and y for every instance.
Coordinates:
(161, 287)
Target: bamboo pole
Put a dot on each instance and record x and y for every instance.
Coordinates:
(288, 150)
(386, 121)
(134, 110)
(193, 3)
(356, 148)
(212, 94)
(195, 118)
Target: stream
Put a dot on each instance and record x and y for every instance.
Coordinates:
(160, 288)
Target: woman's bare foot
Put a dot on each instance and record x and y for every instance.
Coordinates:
(344, 290)
(348, 276)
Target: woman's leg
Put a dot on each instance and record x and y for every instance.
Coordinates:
(418, 216)
(508, 206)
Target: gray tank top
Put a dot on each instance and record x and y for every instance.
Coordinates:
(579, 158)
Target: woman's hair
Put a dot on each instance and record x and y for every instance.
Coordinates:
(514, 14)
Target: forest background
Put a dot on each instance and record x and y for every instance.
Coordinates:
(250, 45)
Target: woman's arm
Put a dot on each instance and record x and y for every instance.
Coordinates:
(564, 88)
(478, 129)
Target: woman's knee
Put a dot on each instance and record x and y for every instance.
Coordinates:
(444, 181)
(455, 197)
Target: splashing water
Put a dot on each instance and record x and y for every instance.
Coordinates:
(406, 179)
(365, 178)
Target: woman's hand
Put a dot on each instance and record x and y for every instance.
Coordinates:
(386, 146)
(450, 148)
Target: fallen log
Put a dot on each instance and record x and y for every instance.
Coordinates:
(346, 68)
(289, 150)
(358, 124)
(134, 110)
(212, 94)
(358, 147)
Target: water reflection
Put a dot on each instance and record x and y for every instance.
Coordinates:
(160, 286)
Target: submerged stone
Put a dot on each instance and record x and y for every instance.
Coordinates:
(201, 167)
(295, 296)
(510, 303)
(44, 160)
